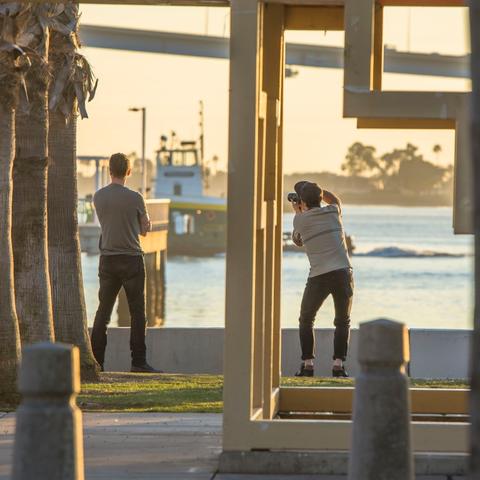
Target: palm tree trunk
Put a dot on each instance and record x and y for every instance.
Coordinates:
(68, 299)
(69, 312)
(474, 467)
(29, 232)
(9, 333)
(9, 89)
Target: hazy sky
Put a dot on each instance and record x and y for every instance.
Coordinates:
(316, 136)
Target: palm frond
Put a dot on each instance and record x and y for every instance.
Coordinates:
(73, 80)
(14, 61)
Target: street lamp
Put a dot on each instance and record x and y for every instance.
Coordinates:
(144, 166)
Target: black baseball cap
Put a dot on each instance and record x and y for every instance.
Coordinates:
(311, 193)
(298, 187)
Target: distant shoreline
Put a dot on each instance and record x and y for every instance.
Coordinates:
(392, 199)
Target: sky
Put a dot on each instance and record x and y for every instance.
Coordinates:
(316, 137)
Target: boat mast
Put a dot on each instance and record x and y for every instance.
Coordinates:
(202, 134)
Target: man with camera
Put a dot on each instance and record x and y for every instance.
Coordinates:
(319, 229)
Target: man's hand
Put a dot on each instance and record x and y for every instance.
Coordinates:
(297, 239)
(331, 199)
(145, 225)
(297, 207)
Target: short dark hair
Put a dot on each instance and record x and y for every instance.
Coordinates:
(119, 165)
(311, 194)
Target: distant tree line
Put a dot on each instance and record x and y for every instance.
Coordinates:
(401, 170)
(402, 177)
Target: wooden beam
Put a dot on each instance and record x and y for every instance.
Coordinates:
(402, 105)
(339, 400)
(317, 3)
(310, 3)
(245, 71)
(422, 3)
(273, 71)
(171, 3)
(407, 123)
(463, 186)
(278, 240)
(320, 399)
(377, 63)
(359, 45)
(440, 401)
(385, 3)
(314, 18)
(434, 437)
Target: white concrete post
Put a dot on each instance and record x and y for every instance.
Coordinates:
(48, 437)
(381, 445)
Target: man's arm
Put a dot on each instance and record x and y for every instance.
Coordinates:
(331, 199)
(296, 237)
(145, 225)
(143, 218)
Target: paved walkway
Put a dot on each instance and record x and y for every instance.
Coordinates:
(139, 446)
(147, 446)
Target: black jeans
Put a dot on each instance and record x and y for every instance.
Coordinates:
(114, 272)
(339, 283)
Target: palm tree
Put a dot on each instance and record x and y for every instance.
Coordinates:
(29, 226)
(72, 81)
(11, 59)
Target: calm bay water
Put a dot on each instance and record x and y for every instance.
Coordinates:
(413, 286)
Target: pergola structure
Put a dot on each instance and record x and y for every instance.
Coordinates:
(254, 397)
(365, 100)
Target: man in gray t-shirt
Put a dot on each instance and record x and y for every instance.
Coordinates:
(319, 229)
(123, 217)
(120, 212)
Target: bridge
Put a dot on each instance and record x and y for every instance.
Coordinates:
(306, 55)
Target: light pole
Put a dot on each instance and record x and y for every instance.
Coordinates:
(144, 164)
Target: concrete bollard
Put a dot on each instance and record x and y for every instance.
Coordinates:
(381, 441)
(48, 437)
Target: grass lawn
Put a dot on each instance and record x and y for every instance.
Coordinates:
(136, 392)
(125, 392)
(146, 392)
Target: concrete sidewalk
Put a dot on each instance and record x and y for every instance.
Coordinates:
(139, 446)
(147, 446)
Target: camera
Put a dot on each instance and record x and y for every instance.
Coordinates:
(293, 197)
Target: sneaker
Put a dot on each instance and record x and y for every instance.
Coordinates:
(304, 371)
(339, 372)
(145, 368)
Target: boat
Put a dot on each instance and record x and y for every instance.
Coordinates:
(197, 223)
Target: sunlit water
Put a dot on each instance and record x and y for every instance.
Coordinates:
(422, 291)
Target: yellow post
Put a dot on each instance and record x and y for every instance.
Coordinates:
(245, 69)
(273, 72)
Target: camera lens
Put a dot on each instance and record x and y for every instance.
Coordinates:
(292, 197)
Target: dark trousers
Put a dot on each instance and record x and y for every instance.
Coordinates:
(339, 284)
(115, 272)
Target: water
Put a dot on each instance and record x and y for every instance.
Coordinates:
(417, 288)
